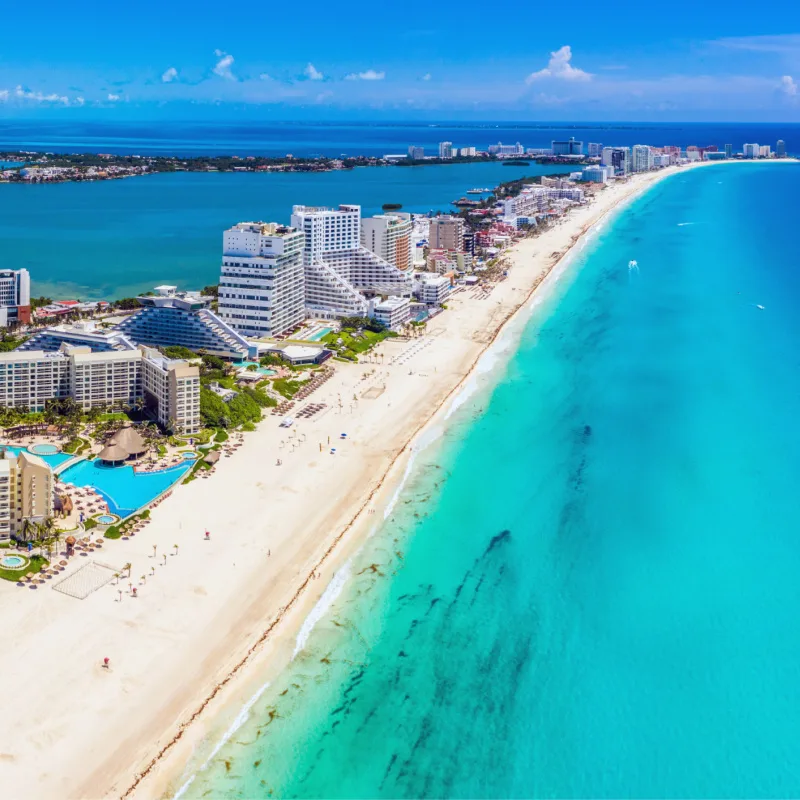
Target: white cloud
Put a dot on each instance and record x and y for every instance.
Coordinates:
(312, 73)
(3, 95)
(782, 43)
(789, 86)
(39, 97)
(559, 66)
(323, 97)
(79, 101)
(113, 97)
(219, 52)
(265, 77)
(369, 75)
(169, 75)
(223, 66)
(426, 76)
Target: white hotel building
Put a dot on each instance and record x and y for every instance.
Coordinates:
(339, 271)
(390, 237)
(262, 285)
(533, 200)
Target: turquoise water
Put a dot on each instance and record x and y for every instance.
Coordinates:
(588, 585)
(319, 334)
(259, 370)
(106, 519)
(44, 449)
(54, 460)
(108, 239)
(124, 490)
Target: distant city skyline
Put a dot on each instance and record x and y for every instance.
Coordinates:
(369, 62)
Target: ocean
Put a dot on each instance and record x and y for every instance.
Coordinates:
(587, 586)
(365, 138)
(110, 239)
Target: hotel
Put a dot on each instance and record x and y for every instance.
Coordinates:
(15, 296)
(340, 273)
(389, 237)
(170, 388)
(26, 492)
(446, 233)
(262, 283)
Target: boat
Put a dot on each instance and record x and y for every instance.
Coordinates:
(479, 191)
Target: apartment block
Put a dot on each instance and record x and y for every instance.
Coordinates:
(446, 233)
(262, 282)
(393, 312)
(26, 492)
(80, 334)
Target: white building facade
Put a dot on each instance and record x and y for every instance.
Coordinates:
(389, 236)
(262, 281)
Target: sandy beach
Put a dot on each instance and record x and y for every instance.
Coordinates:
(211, 614)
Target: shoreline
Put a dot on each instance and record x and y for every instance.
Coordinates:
(392, 479)
(182, 653)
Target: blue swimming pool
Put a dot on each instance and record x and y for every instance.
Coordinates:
(53, 459)
(124, 490)
(319, 334)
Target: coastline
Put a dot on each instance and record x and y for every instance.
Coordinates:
(198, 645)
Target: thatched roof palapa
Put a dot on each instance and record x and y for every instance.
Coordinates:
(212, 457)
(131, 440)
(113, 452)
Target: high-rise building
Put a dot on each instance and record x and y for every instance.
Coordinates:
(728, 150)
(642, 157)
(389, 236)
(15, 296)
(568, 148)
(262, 282)
(446, 233)
(467, 152)
(416, 153)
(501, 149)
(595, 149)
(445, 149)
(751, 150)
(616, 158)
(26, 492)
(764, 151)
(780, 149)
(339, 271)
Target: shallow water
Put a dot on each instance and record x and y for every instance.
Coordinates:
(588, 586)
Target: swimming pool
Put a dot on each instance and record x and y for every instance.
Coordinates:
(13, 562)
(124, 490)
(106, 519)
(55, 460)
(188, 456)
(319, 334)
(44, 449)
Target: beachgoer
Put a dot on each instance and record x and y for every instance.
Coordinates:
(208, 535)
(105, 663)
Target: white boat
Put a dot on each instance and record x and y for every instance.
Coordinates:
(287, 422)
(478, 191)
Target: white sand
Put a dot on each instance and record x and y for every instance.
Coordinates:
(75, 729)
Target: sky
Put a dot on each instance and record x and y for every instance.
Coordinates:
(364, 61)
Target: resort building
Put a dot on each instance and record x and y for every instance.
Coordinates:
(446, 233)
(170, 317)
(26, 492)
(595, 174)
(394, 312)
(15, 296)
(431, 288)
(262, 282)
(751, 150)
(80, 334)
(389, 236)
(572, 147)
(642, 158)
(616, 159)
(534, 200)
(445, 149)
(416, 153)
(340, 273)
(780, 149)
(594, 149)
(169, 389)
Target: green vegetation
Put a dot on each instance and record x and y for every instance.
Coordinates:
(178, 351)
(221, 436)
(354, 341)
(36, 564)
(113, 532)
(9, 343)
(89, 524)
(210, 291)
(75, 446)
(287, 387)
(38, 302)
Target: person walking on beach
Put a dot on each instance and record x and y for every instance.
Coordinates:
(208, 535)
(105, 663)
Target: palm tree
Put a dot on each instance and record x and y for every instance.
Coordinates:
(155, 547)
(144, 578)
(117, 576)
(176, 549)
(127, 567)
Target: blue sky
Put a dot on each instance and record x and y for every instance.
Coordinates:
(359, 60)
